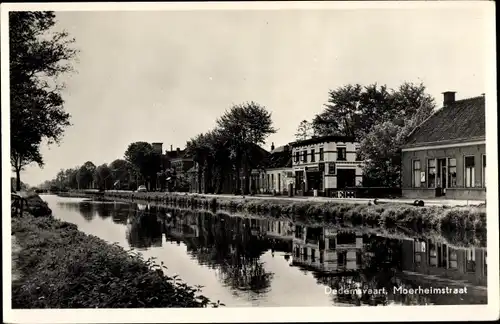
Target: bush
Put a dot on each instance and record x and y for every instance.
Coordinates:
(61, 267)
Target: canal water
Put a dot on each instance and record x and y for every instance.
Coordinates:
(245, 261)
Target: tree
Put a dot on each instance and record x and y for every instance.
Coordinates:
(85, 175)
(143, 160)
(304, 131)
(381, 147)
(244, 126)
(37, 57)
(120, 170)
(103, 177)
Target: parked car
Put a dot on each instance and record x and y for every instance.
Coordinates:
(141, 189)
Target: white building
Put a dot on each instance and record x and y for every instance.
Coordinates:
(326, 164)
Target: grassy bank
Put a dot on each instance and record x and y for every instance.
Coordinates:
(457, 223)
(58, 266)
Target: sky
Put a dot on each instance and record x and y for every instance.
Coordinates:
(167, 76)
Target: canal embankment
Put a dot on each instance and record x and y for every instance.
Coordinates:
(57, 266)
(464, 221)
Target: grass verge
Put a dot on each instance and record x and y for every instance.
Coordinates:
(60, 267)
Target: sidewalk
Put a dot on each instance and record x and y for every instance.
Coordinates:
(430, 202)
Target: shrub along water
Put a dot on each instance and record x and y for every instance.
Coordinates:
(457, 224)
(60, 267)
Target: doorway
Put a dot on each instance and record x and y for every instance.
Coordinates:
(346, 178)
(441, 177)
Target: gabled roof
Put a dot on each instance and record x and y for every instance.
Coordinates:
(463, 120)
(280, 157)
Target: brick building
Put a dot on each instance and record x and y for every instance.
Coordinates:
(446, 155)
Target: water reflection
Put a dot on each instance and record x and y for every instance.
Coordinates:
(373, 269)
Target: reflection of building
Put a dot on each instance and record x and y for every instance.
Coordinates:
(327, 250)
(280, 229)
(446, 155)
(427, 257)
(326, 164)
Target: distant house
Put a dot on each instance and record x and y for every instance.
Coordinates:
(326, 164)
(276, 175)
(446, 155)
(258, 156)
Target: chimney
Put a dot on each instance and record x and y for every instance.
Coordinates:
(171, 147)
(272, 146)
(448, 98)
(178, 150)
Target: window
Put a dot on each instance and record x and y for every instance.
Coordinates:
(272, 181)
(341, 154)
(313, 255)
(484, 170)
(431, 171)
(313, 156)
(453, 259)
(331, 244)
(471, 260)
(469, 176)
(268, 182)
(452, 173)
(305, 254)
(304, 156)
(321, 154)
(416, 173)
(297, 156)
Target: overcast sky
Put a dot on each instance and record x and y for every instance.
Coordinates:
(166, 76)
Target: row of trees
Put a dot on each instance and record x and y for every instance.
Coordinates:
(140, 165)
(380, 118)
(232, 149)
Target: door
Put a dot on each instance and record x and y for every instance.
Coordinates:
(346, 178)
(441, 180)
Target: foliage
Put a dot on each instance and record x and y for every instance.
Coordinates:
(37, 57)
(61, 267)
(120, 170)
(144, 160)
(376, 116)
(86, 175)
(103, 177)
(244, 126)
(304, 131)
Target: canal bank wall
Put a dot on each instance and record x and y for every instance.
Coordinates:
(57, 266)
(444, 218)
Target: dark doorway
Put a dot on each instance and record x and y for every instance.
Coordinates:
(314, 181)
(346, 178)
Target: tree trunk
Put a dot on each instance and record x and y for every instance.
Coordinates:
(18, 179)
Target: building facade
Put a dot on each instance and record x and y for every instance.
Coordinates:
(327, 165)
(446, 155)
(438, 259)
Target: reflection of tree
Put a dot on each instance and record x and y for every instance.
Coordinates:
(144, 230)
(104, 209)
(226, 243)
(86, 211)
(122, 212)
